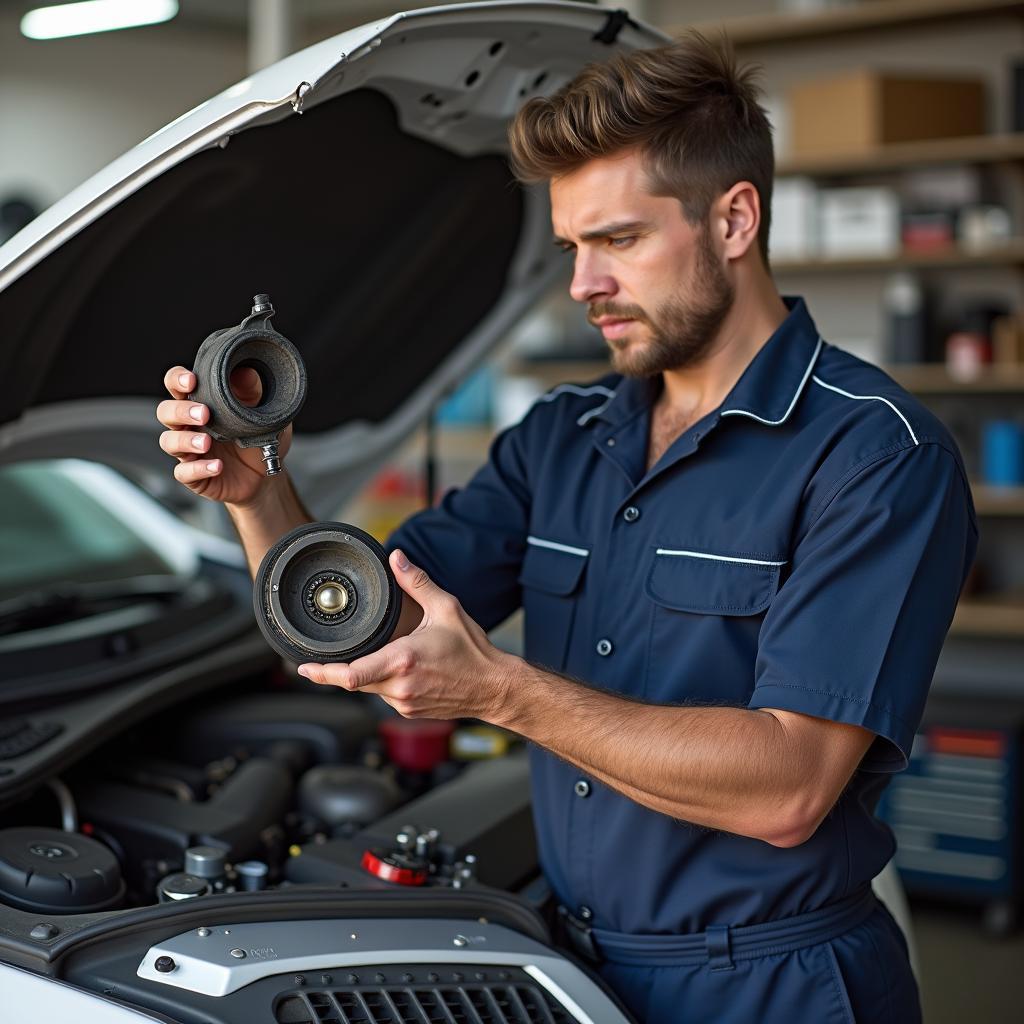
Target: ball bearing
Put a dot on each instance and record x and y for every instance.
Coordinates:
(330, 597)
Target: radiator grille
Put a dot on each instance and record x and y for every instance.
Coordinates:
(418, 995)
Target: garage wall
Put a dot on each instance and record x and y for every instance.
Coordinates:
(69, 106)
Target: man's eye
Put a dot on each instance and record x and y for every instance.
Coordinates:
(566, 247)
(623, 242)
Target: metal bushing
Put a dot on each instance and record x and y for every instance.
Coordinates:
(325, 592)
(255, 345)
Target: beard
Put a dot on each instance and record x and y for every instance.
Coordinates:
(682, 330)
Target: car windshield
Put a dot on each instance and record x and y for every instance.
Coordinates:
(72, 522)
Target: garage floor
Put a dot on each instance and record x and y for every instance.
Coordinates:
(967, 977)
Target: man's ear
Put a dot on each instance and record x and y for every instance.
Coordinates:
(738, 213)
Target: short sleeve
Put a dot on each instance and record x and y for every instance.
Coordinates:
(472, 543)
(855, 630)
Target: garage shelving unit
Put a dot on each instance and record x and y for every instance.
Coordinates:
(996, 616)
(866, 16)
(990, 616)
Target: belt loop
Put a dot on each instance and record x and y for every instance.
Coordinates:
(716, 939)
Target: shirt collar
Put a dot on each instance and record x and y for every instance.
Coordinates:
(776, 377)
(768, 389)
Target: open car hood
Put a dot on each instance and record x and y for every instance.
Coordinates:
(384, 223)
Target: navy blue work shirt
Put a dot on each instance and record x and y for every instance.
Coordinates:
(801, 547)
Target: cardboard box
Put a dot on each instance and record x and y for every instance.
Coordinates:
(1008, 340)
(858, 112)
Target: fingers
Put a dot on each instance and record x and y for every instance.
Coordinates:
(418, 585)
(197, 470)
(182, 414)
(334, 674)
(179, 381)
(188, 446)
(185, 442)
(392, 661)
(245, 383)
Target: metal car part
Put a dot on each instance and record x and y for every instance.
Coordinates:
(253, 345)
(298, 592)
(181, 886)
(207, 862)
(210, 965)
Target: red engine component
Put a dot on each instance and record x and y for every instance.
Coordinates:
(417, 744)
(394, 868)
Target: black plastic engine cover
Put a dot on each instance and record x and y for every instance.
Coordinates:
(50, 871)
(153, 825)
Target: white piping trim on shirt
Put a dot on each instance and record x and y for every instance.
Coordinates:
(792, 404)
(866, 398)
(596, 411)
(575, 389)
(715, 558)
(540, 543)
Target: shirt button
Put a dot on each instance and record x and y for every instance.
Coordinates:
(604, 647)
(581, 788)
(610, 442)
(586, 913)
(631, 514)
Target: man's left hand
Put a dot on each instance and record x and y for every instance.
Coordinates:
(445, 668)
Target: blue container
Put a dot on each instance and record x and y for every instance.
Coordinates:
(470, 404)
(1002, 453)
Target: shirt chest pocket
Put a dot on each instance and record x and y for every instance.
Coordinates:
(706, 613)
(551, 577)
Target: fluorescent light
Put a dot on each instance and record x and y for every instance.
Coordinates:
(95, 16)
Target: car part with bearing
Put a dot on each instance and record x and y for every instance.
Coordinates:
(326, 593)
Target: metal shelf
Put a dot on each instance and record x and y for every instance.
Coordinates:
(935, 379)
(775, 29)
(998, 501)
(989, 617)
(1009, 254)
(975, 149)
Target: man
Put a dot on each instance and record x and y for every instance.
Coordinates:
(747, 544)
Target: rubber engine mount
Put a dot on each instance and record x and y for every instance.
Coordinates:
(253, 344)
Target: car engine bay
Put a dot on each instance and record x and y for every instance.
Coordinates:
(269, 851)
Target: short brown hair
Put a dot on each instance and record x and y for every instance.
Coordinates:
(687, 106)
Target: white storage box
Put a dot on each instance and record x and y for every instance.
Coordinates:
(794, 232)
(859, 222)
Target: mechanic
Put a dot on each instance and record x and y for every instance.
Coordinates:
(738, 556)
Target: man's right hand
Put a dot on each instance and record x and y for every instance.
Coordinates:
(218, 470)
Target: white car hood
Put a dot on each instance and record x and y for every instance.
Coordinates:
(383, 222)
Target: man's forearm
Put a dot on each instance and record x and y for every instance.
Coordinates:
(261, 523)
(734, 769)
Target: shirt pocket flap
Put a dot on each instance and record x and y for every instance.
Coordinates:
(712, 584)
(554, 570)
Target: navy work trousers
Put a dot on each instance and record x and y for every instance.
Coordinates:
(861, 977)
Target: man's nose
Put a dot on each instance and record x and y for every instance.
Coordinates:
(590, 281)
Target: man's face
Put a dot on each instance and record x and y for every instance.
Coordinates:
(652, 282)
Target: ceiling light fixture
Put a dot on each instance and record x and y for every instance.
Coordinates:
(81, 19)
